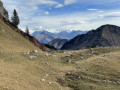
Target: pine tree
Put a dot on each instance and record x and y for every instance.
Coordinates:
(27, 31)
(15, 19)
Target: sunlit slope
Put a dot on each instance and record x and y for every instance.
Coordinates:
(18, 72)
(60, 70)
(95, 71)
(88, 69)
(12, 41)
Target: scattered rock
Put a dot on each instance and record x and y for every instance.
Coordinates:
(92, 52)
(35, 51)
(104, 80)
(105, 55)
(46, 75)
(32, 57)
(81, 57)
(46, 54)
(49, 83)
(65, 52)
(91, 49)
(43, 80)
(114, 83)
(46, 63)
(71, 54)
(79, 77)
(28, 53)
(3, 30)
(118, 82)
(70, 61)
(68, 73)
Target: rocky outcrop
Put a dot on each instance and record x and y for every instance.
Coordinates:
(106, 35)
(3, 11)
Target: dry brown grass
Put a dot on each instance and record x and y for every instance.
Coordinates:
(17, 72)
(12, 41)
(20, 73)
(96, 73)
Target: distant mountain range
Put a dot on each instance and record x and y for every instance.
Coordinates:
(45, 36)
(106, 35)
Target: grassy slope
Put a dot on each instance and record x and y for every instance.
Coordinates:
(17, 72)
(11, 41)
(97, 72)
(87, 70)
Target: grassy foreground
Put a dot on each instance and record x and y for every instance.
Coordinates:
(90, 69)
(48, 71)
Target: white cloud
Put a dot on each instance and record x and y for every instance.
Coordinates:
(38, 18)
(97, 10)
(68, 2)
(47, 13)
(38, 2)
(25, 9)
(110, 15)
(75, 21)
(59, 6)
(92, 9)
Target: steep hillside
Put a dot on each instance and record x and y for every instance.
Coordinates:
(106, 35)
(9, 33)
(58, 43)
(12, 41)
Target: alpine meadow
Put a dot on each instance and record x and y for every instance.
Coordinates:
(59, 45)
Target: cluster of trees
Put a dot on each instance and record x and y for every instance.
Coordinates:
(16, 21)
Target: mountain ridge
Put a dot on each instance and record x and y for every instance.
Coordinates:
(106, 35)
(58, 42)
(45, 36)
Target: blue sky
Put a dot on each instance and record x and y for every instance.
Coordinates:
(57, 15)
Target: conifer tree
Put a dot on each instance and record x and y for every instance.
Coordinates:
(27, 31)
(15, 19)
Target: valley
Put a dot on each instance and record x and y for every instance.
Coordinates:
(87, 61)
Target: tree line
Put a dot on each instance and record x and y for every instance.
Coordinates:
(16, 21)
